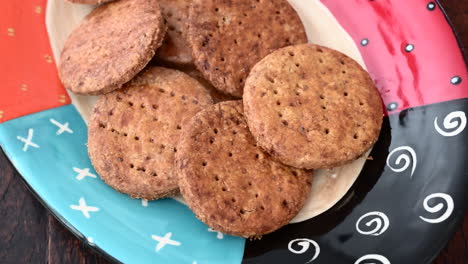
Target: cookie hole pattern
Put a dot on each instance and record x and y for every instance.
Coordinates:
(204, 163)
(242, 211)
(130, 103)
(280, 115)
(262, 207)
(275, 91)
(269, 79)
(179, 127)
(101, 125)
(233, 200)
(257, 156)
(142, 106)
(256, 195)
(322, 97)
(154, 174)
(111, 112)
(154, 107)
(320, 61)
(324, 107)
(172, 94)
(175, 150)
(285, 203)
(342, 62)
(151, 140)
(355, 136)
(278, 103)
(285, 122)
(343, 72)
(345, 93)
(216, 177)
(137, 138)
(132, 166)
(319, 50)
(250, 183)
(224, 189)
(294, 173)
(230, 154)
(297, 65)
(215, 131)
(291, 54)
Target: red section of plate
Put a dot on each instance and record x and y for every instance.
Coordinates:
(408, 47)
(29, 77)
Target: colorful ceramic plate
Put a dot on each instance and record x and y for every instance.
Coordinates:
(406, 203)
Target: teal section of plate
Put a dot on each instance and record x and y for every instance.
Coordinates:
(49, 150)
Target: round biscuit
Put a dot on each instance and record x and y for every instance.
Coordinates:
(229, 37)
(111, 45)
(133, 132)
(312, 107)
(89, 2)
(229, 182)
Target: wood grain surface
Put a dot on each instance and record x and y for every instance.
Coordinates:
(30, 234)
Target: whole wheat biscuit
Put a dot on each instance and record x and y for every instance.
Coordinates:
(229, 37)
(229, 182)
(133, 132)
(89, 2)
(312, 107)
(111, 45)
(175, 48)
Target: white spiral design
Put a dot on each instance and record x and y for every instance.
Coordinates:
(305, 244)
(373, 257)
(403, 156)
(378, 219)
(438, 207)
(451, 122)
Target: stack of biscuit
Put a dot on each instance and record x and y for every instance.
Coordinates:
(222, 101)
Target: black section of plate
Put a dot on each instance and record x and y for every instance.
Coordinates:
(441, 166)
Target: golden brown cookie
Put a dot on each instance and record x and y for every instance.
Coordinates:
(111, 45)
(229, 37)
(133, 132)
(312, 107)
(229, 182)
(89, 2)
(175, 48)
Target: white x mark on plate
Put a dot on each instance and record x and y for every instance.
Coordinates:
(28, 141)
(84, 208)
(82, 173)
(165, 240)
(62, 127)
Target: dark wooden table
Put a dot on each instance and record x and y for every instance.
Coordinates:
(30, 234)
